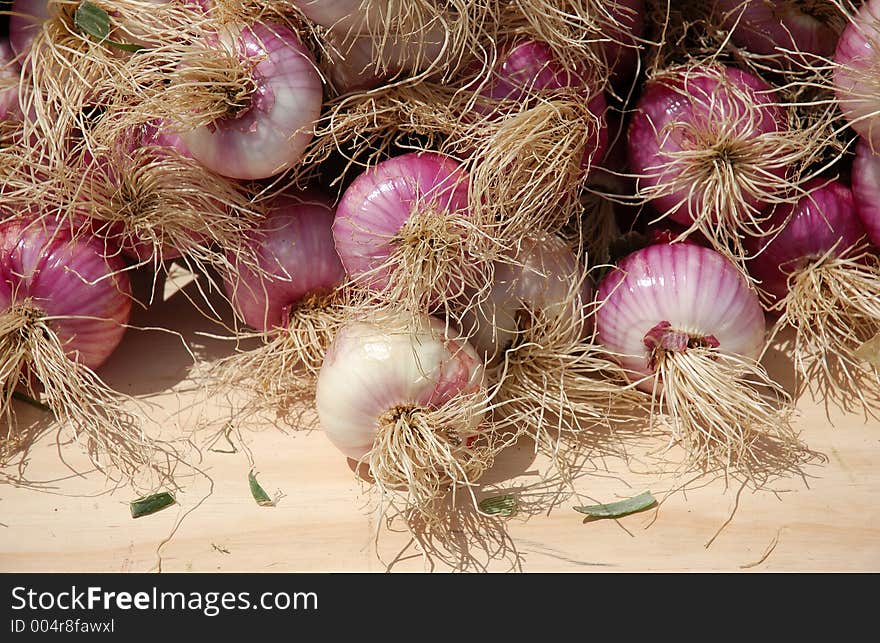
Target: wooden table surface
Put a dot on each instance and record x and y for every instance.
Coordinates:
(61, 516)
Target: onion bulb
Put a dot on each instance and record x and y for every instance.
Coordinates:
(824, 281)
(291, 296)
(857, 69)
(259, 121)
(403, 229)
(405, 398)
(803, 29)
(711, 150)
(866, 189)
(63, 310)
(543, 131)
(686, 326)
(534, 328)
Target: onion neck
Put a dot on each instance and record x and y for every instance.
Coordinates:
(663, 338)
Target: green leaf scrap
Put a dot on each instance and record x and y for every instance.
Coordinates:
(258, 492)
(27, 399)
(499, 505)
(94, 21)
(622, 508)
(150, 504)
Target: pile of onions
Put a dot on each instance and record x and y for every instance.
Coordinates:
(443, 293)
(64, 307)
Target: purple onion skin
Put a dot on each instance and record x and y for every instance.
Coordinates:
(669, 103)
(378, 202)
(295, 245)
(866, 190)
(66, 277)
(693, 288)
(766, 27)
(821, 220)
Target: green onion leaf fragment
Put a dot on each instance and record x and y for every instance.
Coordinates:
(499, 506)
(94, 21)
(622, 508)
(258, 492)
(151, 504)
(27, 399)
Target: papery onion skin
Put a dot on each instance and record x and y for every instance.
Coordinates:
(675, 101)
(857, 59)
(370, 369)
(541, 278)
(823, 219)
(866, 190)
(766, 27)
(695, 289)
(272, 134)
(72, 279)
(380, 200)
(295, 246)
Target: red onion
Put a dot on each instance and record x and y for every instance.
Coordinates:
(528, 68)
(809, 27)
(295, 257)
(857, 59)
(825, 283)
(534, 327)
(290, 293)
(684, 322)
(543, 283)
(711, 150)
(821, 224)
(402, 228)
(866, 190)
(63, 307)
(73, 282)
(269, 132)
(407, 399)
